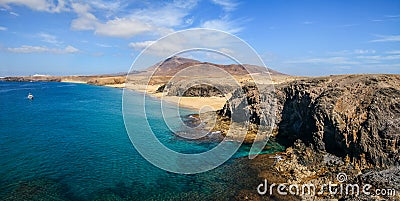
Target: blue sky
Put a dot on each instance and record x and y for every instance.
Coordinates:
(71, 37)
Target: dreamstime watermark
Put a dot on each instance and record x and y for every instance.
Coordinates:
(142, 123)
(335, 189)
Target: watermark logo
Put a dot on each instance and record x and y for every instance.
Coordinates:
(341, 177)
(142, 123)
(339, 188)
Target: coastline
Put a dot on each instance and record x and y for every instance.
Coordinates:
(316, 163)
(198, 104)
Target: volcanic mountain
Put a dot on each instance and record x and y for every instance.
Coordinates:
(175, 64)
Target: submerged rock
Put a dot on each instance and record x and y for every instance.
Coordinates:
(37, 189)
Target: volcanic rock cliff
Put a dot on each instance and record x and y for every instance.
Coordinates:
(354, 116)
(357, 115)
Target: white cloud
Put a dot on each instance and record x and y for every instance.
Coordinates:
(348, 25)
(112, 6)
(140, 45)
(189, 21)
(226, 51)
(392, 16)
(387, 38)
(360, 58)
(112, 18)
(223, 24)
(3, 28)
(393, 52)
(387, 18)
(43, 49)
(380, 57)
(123, 27)
(227, 5)
(85, 20)
(14, 13)
(328, 60)
(103, 45)
(394, 66)
(361, 51)
(39, 5)
(169, 15)
(353, 52)
(307, 22)
(70, 49)
(163, 48)
(49, 39)
(160, 20)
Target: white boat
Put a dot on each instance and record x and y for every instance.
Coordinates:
(30, 96)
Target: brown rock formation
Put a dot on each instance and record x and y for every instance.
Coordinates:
(173, 65)
(348, 115)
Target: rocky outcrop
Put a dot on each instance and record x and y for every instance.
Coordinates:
(202, 90)
(197, 90)
(101, 81)
(32, 79)
(248, 104)
(301, 164)
(355, 116)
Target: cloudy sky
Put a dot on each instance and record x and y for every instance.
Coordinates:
(69, 37)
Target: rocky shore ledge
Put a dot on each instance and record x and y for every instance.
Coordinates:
(338, 124)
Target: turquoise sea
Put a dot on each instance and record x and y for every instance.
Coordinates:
(70, 143)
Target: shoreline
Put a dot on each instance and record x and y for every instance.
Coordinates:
(198, 104)
(184, 102)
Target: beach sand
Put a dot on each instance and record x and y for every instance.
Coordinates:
(73, 81)
(201, 104)
(116, 85)
(195, 103)
(138, 83)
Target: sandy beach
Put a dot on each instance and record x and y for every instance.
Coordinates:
(196, 103)
(202, 104)
(137, 83)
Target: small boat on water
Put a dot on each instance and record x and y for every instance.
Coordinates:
(30, 96)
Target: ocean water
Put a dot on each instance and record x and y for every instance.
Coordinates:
(70, 143)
